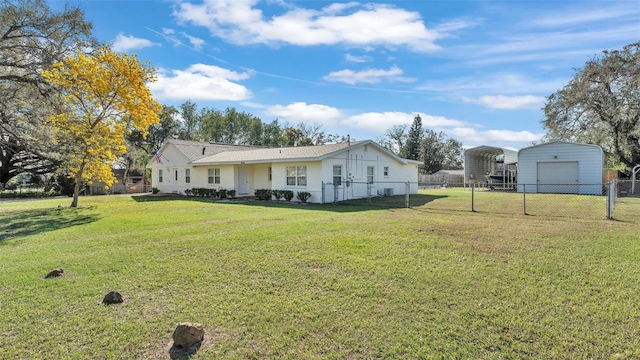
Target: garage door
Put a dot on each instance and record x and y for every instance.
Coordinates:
(558, 177)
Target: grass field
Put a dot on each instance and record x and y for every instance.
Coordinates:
(271, 280)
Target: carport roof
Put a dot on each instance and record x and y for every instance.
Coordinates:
(486, 152)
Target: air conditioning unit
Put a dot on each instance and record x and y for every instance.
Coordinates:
(388, 191)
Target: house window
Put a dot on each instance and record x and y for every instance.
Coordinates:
(337, 175)
(187, 176)
(386, 171)
(213, 176)
(159, 175)
(270, 174)
(176, 177)
(297, 175)
(365, 148)
(370, 174)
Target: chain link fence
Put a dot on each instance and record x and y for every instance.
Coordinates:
(619, 200)
(625, 205)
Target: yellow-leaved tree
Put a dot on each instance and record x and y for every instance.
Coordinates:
(102, 96)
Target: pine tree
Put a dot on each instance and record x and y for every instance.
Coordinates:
(411, 149)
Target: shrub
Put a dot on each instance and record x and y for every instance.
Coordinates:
(11, 185)
(188, 192)
(231, 193)
(155, 190)
(278, 194)
(263, 194)
(222, 193)
(303, 196)
(288, 194)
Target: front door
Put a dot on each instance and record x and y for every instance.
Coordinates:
(174, 180)
(243, 180)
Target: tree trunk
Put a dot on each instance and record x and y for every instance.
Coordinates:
(76, 190)
(125, 179)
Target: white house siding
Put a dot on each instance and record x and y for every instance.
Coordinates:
(314, 179)
(354, 164)
(555, 156)
(259, 177)
(172, 161)
(200, 177)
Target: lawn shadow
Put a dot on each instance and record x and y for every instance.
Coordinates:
(30, 222)
(355, 205)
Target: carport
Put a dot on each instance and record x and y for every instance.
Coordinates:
(481, 160)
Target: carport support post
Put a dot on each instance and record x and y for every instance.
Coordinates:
(406, 197)
(322, 200)
(524, 198)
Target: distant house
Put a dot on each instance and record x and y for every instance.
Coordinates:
(132, 185)
(333, 172)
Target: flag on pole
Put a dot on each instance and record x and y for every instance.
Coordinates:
(158, 156)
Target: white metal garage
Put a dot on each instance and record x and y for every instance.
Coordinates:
(561, 167)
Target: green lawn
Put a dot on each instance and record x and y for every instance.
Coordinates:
(294, 281)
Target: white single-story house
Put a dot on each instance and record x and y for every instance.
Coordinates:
(332, 172)
(561, 167)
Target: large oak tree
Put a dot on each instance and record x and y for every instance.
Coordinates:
(32, 38)
(601, 105)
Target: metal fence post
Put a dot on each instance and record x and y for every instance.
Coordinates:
(407, 188)
(611, 199)
(524, 198)
(473, 188)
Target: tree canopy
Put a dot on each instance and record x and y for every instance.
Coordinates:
(435, 149)
(102, 97)
(32, 38)
(601, 105)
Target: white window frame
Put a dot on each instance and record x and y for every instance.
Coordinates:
(337, 178)
(371, 176)
(296, 175)
(160, 175)
(187, 176)
(386, 171)
(270, 173)
(213, 176)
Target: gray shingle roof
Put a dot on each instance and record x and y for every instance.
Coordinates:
(193, 149)
(274, 154)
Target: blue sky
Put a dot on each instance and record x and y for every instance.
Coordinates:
(477, 70)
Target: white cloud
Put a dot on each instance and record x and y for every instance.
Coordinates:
(381, 121)
(508, 102)
(350, 24)
(369, 76)
(357, 59)
(197, 43)
(303, 112)
(473, 137)
(509, 83)
(581, 16)
(123, 43)
(200, 82)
